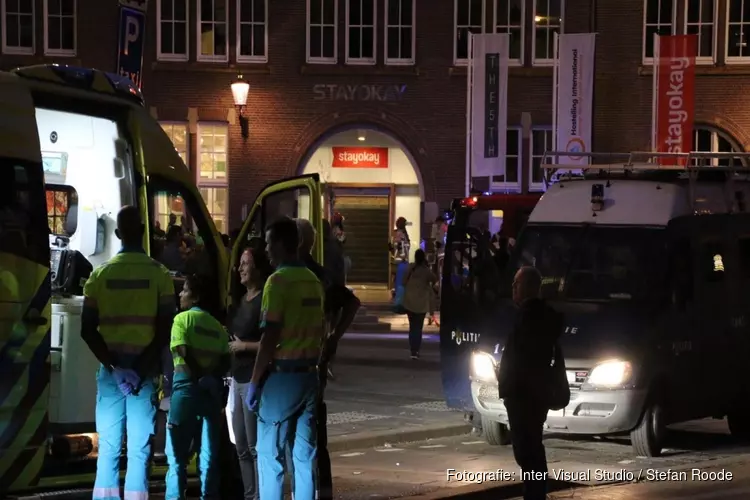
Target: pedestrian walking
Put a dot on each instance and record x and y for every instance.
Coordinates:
(284, 385)
(524, 378)
(419, 289)
(200, 351)
(129, 305)
(244, 328)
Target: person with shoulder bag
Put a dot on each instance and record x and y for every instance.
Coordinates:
(529, 378)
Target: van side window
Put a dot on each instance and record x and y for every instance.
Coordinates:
(682, 273)
(23, 228)
(744, 254)
(711, 263)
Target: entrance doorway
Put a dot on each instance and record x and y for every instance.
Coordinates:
(367, 221)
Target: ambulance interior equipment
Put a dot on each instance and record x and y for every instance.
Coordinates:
(646, 255)
(88, 179)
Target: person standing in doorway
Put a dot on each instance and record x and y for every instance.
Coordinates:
(419, 284)
(400, 247)
(244, 328)
(524, 383)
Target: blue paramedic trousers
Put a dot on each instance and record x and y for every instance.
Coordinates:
(116, 414)
(194, 414)
(286, 419)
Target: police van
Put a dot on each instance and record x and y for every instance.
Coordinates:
(648, 257)
(76, 145)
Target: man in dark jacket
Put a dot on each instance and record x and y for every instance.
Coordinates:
(524, 378)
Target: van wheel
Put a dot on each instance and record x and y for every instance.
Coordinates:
(648, 437)
(739, 424)
(495, 433)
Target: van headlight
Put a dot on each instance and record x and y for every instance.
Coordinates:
(483, 366)
(610, 373)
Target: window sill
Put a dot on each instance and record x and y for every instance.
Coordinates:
(348, 70)
(513, 71)
(706, 69)
(209, 67)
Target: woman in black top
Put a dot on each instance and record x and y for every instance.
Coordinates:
(244, 329)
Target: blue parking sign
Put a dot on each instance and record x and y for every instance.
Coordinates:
(130, 44)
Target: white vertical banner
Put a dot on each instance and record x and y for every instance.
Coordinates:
(574, 98)
(489, 103)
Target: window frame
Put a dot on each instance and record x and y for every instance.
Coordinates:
(361, 61)
(516, 185)
(186, 125)
(716, 134)
(245, 58)
(534, 27)
(734, 60)
(645, 60)
(212, 183)
(173, 57)
(456, 60)
(714, 36)
(308, 25)
(400, 61)
(537, 187)
(8, 50)
(198, 21)
(46, 20)
(513, 61)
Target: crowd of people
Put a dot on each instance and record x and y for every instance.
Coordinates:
(276, 346)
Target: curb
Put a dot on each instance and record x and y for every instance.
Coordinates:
(483, 491)
(394, 363)
(380, 438)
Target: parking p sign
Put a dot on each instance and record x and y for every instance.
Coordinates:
(130, 44)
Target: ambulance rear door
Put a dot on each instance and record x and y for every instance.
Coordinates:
(24, 291)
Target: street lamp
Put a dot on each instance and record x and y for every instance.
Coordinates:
(240, 90)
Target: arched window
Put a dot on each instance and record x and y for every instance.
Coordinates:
(712, 140)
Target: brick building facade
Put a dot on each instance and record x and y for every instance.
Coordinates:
(316, 66)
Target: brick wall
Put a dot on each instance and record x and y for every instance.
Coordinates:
(286, 122)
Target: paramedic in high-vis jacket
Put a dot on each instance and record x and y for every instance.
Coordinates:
(284, 386)
(129, 304)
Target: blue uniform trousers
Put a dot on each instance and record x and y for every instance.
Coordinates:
(194, 414)
(286, 419)
(116, 414)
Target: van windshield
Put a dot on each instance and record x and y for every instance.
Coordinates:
(594, 263)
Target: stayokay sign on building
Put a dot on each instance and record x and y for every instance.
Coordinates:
(346, 157)
(336, 92)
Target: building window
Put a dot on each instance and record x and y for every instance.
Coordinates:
(59, 27)
(658, 17)
(167, 203)
(541, 142)
(18, 26)
(512, 177)
(171, 30)
(400, 31)
(469, 18)
(213, 43)
(700, 17)
(322, 37)
(212, 171)
(509, 16)
(711, 140)
(738, 26)
(360, 31)
(252, 26)
(548, 20)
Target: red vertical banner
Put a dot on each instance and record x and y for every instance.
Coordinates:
(674, 95)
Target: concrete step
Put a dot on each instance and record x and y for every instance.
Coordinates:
(366, 319)
(378, 327)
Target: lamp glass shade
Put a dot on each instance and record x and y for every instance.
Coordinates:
(240, 90)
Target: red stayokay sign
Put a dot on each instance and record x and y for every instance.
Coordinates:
(344, 157)
(674, 95)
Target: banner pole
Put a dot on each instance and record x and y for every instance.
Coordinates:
(469, 91)
(655, 95)
(555, 87)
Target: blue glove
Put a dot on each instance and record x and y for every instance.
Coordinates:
(127, 380)
(252, 395)
(212, 385)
